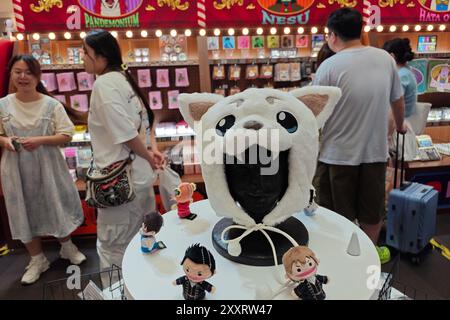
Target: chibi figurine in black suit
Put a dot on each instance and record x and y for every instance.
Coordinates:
(300, 264)
(198, 265)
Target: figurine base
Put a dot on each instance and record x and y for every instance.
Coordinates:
(192, 216)
(256, 249)
(159, 246)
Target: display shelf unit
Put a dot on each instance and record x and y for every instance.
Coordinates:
(260, 60)
(55, 67)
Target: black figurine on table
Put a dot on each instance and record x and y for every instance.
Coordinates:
(198, 265)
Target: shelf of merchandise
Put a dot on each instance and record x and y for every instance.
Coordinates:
(439, 55)
(130, 64)
(260, 60)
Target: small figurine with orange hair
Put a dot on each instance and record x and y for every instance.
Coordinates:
(183, 197)
(300, 264)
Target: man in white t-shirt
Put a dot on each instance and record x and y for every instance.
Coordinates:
(351, 171)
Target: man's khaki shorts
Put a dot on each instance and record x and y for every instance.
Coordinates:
(356, 192)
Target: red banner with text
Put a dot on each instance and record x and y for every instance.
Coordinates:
(240, 13)
(56, 15)
(413, 11)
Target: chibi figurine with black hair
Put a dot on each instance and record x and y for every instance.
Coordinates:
(198, 264)
(300, 264)
(150, 227)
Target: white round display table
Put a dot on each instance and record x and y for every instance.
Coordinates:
(150, 276)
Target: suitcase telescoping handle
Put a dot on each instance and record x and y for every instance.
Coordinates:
(402, 163)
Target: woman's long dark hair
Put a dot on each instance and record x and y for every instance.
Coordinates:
(105, 45)
(35, 68)
(324, 53)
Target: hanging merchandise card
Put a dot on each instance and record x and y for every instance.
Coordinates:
(302, 41)
(218, 72)
(266, 71)
(79, 102)
(282, 72)
(74, 55)
(49, 81)
(273, 42)
(145, 55)
(287, 41)
(137, 55)
(252, 72)
(213, 43)
(244, 42)
(84, 157)
(419, 67)
(439, 76)
(155, 100)
(235, 72)
(306, 68)
(144, 79)
(172, 97)
(181, 77)
(70, 154)
(85, 81)
(295, 71)
(257, 42)
(228, 42)
(61, 98)
(317, 41)
(66, 81)
(162, 78)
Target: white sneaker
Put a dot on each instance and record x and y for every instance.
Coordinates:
(34, 270)
(70, 252)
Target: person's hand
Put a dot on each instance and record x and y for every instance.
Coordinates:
(213, 290)
(157, 160)
(403, 129)
(31, 143)
(174, 283)
(7, 143)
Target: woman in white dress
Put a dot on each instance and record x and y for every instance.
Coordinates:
(40, 196)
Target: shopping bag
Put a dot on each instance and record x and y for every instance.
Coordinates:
(169, 180)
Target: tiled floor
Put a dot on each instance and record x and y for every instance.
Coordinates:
(429, 280)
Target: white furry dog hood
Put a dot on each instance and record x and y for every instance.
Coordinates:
(286, 124)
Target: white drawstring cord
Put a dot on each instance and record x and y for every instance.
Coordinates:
(234, 247)
(289, 283)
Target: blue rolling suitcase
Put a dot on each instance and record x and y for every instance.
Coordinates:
(411, 217)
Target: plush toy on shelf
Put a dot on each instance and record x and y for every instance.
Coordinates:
(198, 265)
(183, 196)
(150, 227)
(300, 264)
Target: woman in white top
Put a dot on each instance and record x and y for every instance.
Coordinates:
(40, 196)
(118, 110)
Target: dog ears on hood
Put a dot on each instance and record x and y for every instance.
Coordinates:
(193, 106)
(321, 100)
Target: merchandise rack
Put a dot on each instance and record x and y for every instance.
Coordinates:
(114, 290)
